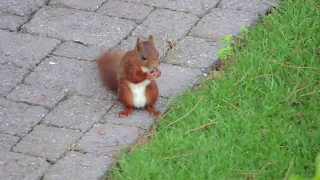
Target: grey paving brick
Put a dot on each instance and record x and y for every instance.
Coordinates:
(38, 95)
(115, 137)
(174, 80)
(198, 7)
(10, 77)
(21, 8)
(48, 142)
(18, 118)
(222, 22)
(57, 76)
(75, 25)
(140, 118)
(78, 51)
(11, 22)
(7, 141)
(194, 52)
(76, 164)
(16, 166)
(133, 11)
(162, 21)
(247, 5)
(89, 5)
(161, 46)
(78, 112)
(24, 50)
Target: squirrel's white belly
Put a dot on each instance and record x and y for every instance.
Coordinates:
(139, 93)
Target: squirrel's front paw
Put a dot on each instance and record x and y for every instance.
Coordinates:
(150, 77)
(156, 73)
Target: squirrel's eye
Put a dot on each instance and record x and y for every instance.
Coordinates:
(144, 58)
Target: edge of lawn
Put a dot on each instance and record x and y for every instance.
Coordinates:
(288, 66)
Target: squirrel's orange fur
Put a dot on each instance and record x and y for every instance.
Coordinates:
(132, 74)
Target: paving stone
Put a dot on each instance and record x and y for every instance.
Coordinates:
(75, 25)
(11, 77)
(11, 22)
(7, 141)
(160, 45)
(247, 5)
(115, 137)
(18, 118)
(222, 22)
(174, 80)
(78, 112)
(89, 5)
(200, 7)
(162, 21)
(48, 142)
(140, 118)
(38, 95)
(16, 166)
(24, 50)
(21, 8)
(78, 51)
(89, 166)
(194, 52)
(133, 11)
(57, 76)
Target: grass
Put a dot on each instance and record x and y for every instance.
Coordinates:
(259, 120)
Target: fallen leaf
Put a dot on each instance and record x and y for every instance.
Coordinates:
(296, 102)
(101, 131)
(219, 65)
(174, 43)
(299, 116)
(73, 145)
(205, 127)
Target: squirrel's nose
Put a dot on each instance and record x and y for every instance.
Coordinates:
(154, 66)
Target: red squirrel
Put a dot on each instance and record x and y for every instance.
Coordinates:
(132, 74)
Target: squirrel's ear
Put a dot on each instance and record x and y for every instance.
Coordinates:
(151, 39)
(139, 44)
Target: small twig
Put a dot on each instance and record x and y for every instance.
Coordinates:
(165, 107)
(313, 92)
(287, 174)
(164, 43)
(190, 153)
(173, 45)
(185, 114)
(234, 106)
(295, 67)
(260, 171)
(239, 171)
(302, 88)
(203, 126)
(293, 90)
(243, 77)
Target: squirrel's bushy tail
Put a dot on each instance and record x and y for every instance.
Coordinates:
(108, 67)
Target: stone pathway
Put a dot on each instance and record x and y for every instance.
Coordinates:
(52, 103)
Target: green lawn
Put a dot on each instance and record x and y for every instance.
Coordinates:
(264, 110)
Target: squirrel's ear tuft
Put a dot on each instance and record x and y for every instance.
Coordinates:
(151, 39)
(139, 44)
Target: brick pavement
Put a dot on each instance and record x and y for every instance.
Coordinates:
(52, 103)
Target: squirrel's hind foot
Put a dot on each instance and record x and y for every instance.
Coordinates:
(125, 112)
